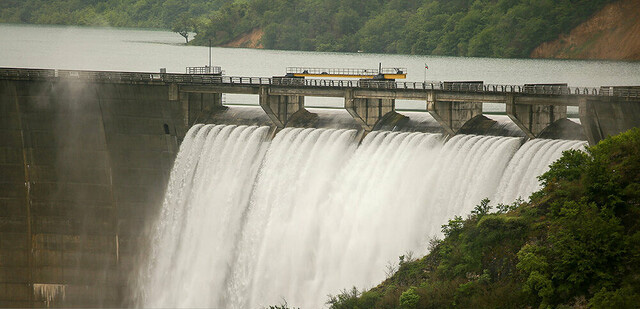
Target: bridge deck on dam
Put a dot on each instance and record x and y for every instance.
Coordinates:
(453, 91)
(532, 107)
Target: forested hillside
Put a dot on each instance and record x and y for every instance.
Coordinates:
(504, 28)
(493, 28)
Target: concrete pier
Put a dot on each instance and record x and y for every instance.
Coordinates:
(280, 108)
(605, 116)
(452, 116)
(368, 112)
(196, 106)
(533, 119)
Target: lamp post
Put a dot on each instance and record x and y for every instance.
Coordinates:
(426, 67)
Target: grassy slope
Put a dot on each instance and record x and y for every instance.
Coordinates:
(576, 243)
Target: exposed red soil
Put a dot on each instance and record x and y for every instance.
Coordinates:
(248, 40)
(613, 34)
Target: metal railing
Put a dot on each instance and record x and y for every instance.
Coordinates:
(345, 71)
(107, 76)
(36, 73)
(619, 91)
(463, 86)
(204, 70)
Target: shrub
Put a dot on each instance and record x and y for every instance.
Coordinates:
(409, 299)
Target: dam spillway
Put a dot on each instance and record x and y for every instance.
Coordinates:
(312, 211)
(85, 158)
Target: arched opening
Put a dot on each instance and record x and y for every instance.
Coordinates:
(166, 128)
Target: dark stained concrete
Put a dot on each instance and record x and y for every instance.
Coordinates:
(82, 170)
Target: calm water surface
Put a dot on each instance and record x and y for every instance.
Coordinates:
(117, 49)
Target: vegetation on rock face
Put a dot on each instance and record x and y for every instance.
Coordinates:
(492, 28)
(576, 243)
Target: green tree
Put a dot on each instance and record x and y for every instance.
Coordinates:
(183, 26)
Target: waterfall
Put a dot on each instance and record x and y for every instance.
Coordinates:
(248, 223)
(531, 160)
(196, 235)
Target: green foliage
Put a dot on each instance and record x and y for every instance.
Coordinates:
(183, 26)
(409, 299)
(505, 208)
(482, 209)
(454, 226)
(569, 167)
(622, 298)
(115, 13)
(533, 262)
(482, 28)
(284, 305)
(353, 299)
(591, 205)
(576, 243)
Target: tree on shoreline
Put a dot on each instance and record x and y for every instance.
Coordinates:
(183, 26)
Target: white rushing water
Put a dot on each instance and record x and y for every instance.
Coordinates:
(204, 204)
(248, 224)
(532, 160)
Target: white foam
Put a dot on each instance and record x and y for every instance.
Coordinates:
(247, 227)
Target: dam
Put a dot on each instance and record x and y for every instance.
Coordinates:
(262, 202)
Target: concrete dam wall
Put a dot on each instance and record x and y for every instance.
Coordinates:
(84, 164)
(82, 168)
